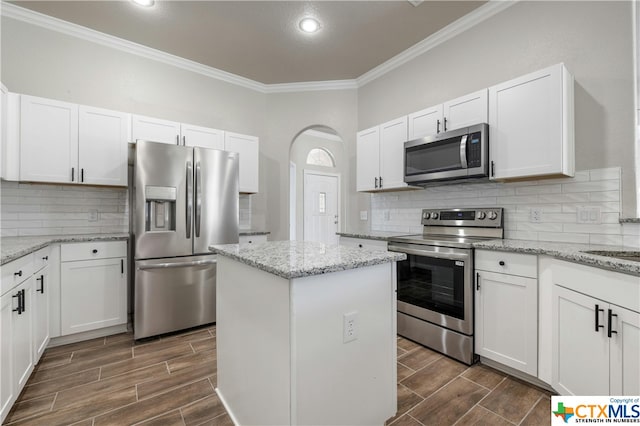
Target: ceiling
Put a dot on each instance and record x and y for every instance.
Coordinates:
(260, 40)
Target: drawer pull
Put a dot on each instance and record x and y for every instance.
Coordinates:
(94, 251)
(45, 258)
(501, 263)
(19, 273)
(19, 308)
(598, 326)
(610, 330)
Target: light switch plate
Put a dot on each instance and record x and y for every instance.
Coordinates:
(93, 215)
(364, 215)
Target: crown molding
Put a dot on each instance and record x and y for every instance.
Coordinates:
(493, 7)
(459, 26)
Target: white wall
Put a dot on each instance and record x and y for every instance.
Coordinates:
(593, 39)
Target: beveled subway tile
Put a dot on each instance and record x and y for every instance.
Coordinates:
(484, 376)
(30, 408)
(75, 414)
(177, 364)
(187, 375)
(203, 410)
(131, 364)
(78, 394)
(435, 375)
(418, 358)
(156, 405)
(169, 419)
(512, 399)
(481, 416)
(67, 382)
(450, 403)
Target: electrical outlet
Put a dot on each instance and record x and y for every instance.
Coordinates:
(363, 215)
(349, 327)
(93, 215)
(535, 215)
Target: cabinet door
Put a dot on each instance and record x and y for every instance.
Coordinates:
(531, 125)
(22, 336)
(154, 130)
(425, 122)
(507, 320)
(93, 294)
(102, 150)
(248, 150)
(40, 297)
(580, 353)
(48, 140)
(203, 137)
(7, 387)
(625, 352)
(466, 110)
(368, 159)
(393, 135)
(252, 239)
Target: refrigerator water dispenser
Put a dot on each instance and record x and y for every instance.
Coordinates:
(160, 208)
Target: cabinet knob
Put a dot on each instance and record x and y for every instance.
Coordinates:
(45, 258)
(360, 245)
(19, 273)
(94, 251)
(501, 263)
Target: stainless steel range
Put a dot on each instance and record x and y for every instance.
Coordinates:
(435, 282)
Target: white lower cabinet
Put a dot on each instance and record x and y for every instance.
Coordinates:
(41, 311)
(93, 286)
(507, 309)
(7, 387)
(596, 341)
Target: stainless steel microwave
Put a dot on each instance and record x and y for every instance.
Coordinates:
(453, 155)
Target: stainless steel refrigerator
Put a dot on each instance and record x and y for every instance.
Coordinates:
(185, 199)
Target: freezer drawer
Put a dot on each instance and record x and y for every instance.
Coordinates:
(173, 294)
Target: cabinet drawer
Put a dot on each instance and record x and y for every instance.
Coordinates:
(41, 258)
(252, 239)
(374, 245)
(525, 265)
(14, 273)
(93, 250)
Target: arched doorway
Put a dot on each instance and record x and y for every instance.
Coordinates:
(317, 167)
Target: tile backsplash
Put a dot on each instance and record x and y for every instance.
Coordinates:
(558, 200)
(37, 209)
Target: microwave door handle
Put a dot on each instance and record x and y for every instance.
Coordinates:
(463, 151)
(189, 197)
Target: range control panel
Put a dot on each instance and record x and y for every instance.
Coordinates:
(490, 217)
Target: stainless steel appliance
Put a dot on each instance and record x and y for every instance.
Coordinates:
(185, 199)
(453, 155)
(435, 282)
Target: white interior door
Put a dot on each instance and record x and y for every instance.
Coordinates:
(321, 194)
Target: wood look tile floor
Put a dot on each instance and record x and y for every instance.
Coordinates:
(171, 381)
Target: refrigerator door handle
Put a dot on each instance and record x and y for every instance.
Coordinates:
(189, 197)
(177, 264)
(198, 198)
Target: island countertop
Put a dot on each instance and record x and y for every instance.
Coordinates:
(296, 259)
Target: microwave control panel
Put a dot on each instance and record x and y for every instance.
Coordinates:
(474, 150)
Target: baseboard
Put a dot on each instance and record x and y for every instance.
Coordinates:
(87, 335)
(517, 374)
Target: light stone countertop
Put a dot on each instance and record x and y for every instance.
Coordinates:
(568, 251)
(296, 259)
(13, 248)
(374, 235)
(630, 220)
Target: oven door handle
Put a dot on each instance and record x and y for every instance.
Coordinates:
(429, 253)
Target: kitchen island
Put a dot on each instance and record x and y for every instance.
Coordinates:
(306, 333)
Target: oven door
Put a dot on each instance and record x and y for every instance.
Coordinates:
(435, 284)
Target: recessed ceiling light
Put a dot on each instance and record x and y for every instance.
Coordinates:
(309, 25)
(145, 3)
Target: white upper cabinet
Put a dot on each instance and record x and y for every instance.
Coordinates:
(248, 149)
(531, 129)
(464, 111)
(368, 159)
(102, 148)
(155, 130)
(202, 137)
(69, 143)
(393, 135)
(48, 140)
